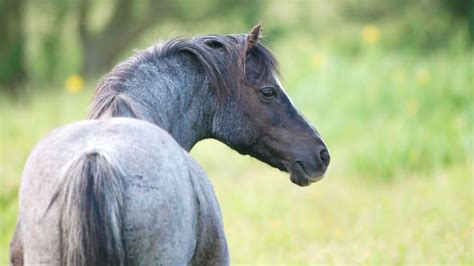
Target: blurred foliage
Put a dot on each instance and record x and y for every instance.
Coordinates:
(84, 36)
(46, 41)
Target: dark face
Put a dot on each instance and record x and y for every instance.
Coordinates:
(261, 121)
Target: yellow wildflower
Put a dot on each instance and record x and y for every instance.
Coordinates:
(275, 224)
(366, 254)
(338, 232)
(423, 76)
(411, 107)
(399, 76)
(74, 83)
(370, 34)
(319, 60)
(413, 156)
(460, 122)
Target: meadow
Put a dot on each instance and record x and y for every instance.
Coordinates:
(399, 126)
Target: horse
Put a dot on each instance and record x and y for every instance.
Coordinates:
(121, 188)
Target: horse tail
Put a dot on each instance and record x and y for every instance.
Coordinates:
(91, 215)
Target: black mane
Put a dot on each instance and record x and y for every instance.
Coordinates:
(221, 56)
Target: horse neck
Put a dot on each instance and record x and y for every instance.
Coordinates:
(173, 93)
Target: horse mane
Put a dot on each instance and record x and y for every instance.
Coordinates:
(222, 57)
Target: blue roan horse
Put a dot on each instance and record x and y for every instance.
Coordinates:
(124, 191)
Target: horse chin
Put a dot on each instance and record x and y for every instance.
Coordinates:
(299, 176)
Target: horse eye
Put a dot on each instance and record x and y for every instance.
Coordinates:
(268, 93)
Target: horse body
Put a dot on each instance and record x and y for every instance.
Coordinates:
(167, 203)
(221, 87)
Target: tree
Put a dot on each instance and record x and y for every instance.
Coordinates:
(99, 46)
(12, 68)
(100, 49)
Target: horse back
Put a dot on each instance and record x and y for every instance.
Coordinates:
(161, 205)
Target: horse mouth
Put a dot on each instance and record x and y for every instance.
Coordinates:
(302, 176)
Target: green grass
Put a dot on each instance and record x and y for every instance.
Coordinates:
(342, 220)
(399, 189)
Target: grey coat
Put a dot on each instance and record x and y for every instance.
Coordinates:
(159, 200)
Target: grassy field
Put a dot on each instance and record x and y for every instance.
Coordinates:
(400, 185)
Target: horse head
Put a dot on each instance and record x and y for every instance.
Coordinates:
(260, 119)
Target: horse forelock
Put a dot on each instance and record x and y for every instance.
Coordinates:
(223, 58)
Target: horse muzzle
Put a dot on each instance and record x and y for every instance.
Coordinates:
(305, 172)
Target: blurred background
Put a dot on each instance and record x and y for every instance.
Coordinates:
(389, 85)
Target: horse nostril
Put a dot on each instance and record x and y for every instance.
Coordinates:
(325, 158)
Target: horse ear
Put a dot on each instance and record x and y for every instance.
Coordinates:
(253, 36)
